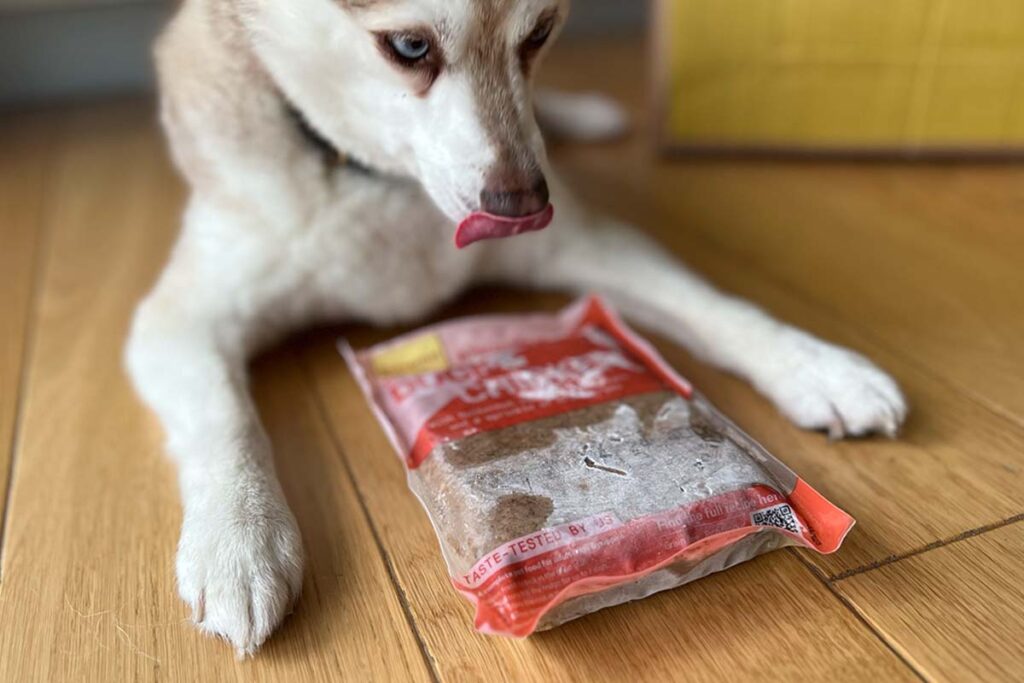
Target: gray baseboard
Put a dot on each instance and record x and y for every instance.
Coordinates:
(602, 17)
(77, 53)
(61, 54)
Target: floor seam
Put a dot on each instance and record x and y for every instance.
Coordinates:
(389, 564)
(40, 262)
(890, 646)
(935, 545)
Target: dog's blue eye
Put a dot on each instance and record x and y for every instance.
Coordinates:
(410, 47)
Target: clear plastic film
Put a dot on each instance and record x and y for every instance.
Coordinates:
(566, 468)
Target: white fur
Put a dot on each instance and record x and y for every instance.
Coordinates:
(271, 241)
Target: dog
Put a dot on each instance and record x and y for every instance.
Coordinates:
(332, 149)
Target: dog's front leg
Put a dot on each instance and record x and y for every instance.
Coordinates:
(239, 562)
(816, 384)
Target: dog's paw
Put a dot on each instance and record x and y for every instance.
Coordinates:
(825, 387)
(240, 570)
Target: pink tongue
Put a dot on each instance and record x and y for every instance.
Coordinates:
(485, 226)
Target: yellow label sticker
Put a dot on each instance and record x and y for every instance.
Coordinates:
(414, 357)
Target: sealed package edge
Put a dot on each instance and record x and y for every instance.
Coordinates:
(567, 468)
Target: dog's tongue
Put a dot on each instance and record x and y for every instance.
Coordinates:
(485, 226)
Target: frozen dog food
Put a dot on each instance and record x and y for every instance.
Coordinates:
(566, 468)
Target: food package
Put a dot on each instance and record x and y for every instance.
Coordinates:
(567, 468)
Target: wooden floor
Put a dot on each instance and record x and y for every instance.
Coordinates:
(921, 267)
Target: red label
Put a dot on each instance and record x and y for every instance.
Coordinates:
(496, 376)
(544, 380)
(515, 585)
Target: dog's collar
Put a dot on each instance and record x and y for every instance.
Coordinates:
(332, 156)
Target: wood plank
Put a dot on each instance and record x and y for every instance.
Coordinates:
(956, 612)
(737, 622)
(959, 464)
(26, 144)
(88, 591)
(350, 620)
(942, 299)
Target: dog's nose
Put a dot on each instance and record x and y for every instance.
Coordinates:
(512, 201)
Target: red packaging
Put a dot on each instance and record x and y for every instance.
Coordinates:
(566, 467)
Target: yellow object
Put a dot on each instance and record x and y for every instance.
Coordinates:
(843, 75)
(421, 354)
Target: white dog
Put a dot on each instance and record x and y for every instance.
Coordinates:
(431, 103)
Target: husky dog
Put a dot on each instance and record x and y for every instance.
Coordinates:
(430, 106)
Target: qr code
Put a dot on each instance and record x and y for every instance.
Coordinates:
(780, 516)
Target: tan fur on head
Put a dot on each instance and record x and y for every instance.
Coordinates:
(460, 123)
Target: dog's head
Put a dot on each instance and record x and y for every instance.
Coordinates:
(439, 90)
